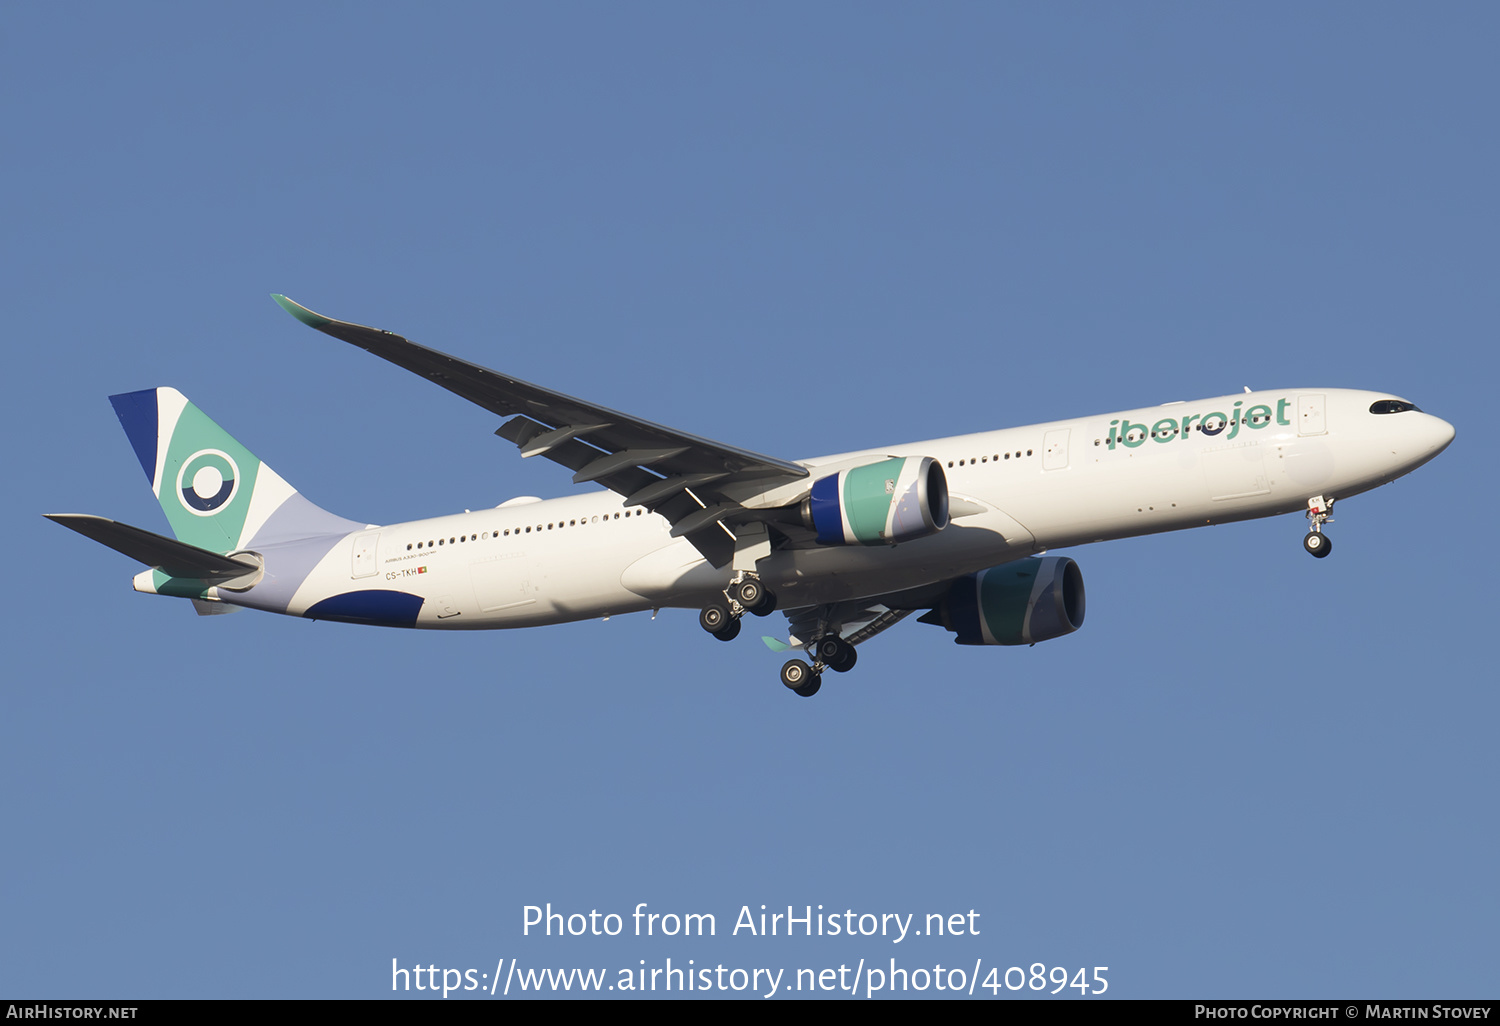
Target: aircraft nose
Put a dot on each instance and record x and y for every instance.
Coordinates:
(1441, 434)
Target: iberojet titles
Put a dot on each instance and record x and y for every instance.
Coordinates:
(773, 924)
(1168, 428)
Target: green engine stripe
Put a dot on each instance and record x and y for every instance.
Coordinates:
(1004, 598)
(867, 500)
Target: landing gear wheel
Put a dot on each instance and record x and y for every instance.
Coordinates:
(767, 604)
(827, 648)
(749, 593)
(845, 664)
(755, 597)
(835, 652)
(808, 690)
(713, 619)
(729, 633)
(797, 675)
(1317, 543)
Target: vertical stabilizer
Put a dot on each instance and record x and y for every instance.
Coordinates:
(216, 494)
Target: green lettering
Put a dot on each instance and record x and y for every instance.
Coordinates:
(1164, 429)
(1127, 429)
(1111, 441)
(1281, 405)
(1237, 419)
(1186, 421)
(1260, 416)
(1220, 422)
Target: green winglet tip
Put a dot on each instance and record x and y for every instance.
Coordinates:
(300, 312)
(774, 645)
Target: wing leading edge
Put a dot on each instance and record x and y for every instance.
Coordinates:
(693, 482)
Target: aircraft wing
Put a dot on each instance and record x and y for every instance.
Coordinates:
(686, 479)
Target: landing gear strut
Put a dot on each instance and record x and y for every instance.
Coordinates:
(1316, 542)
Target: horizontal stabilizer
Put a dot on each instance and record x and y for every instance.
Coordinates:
(172, 557)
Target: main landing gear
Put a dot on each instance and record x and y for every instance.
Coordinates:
(745, 594)
(829, 652)
(1316, 542)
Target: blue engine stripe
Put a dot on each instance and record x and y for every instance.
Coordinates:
(826, 515)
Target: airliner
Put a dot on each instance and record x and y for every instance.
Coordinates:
(957, 529)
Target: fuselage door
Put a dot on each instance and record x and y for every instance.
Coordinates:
(1055, 449)
(1310, 415)
(364, 554)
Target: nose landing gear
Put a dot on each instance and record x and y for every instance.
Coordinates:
(1316, 542)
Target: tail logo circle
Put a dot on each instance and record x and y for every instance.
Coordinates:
(207, 482)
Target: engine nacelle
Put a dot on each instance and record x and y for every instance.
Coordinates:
(1020, 603)
(882, 503)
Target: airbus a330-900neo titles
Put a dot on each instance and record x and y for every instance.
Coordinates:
(846, 545)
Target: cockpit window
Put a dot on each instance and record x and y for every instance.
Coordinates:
(1392, 406)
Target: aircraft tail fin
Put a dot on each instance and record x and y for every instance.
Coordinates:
(216, 494)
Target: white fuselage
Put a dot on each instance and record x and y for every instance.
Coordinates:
(1016, 492)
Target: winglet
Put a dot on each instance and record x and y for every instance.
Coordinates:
(301, 312)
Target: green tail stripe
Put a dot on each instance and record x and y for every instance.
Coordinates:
(180, 587)
(198, 444)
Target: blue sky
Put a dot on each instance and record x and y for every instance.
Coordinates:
(799, 230)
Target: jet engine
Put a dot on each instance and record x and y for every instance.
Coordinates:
(1020, 603)
(882, 503)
